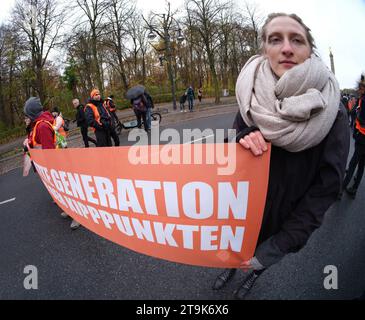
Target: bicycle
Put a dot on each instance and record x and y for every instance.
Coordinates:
(155, 116)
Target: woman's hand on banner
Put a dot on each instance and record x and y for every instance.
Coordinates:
(252, 264)
(254, 142)
(246, 266)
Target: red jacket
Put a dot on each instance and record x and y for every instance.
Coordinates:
(44, 134)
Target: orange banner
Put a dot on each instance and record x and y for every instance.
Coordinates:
(179, 202)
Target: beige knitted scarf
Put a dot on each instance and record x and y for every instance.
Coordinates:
(295, 112)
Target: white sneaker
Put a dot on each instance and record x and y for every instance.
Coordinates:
(64, 215)
(74, 225)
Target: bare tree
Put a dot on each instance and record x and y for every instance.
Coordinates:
(226, 35)
(80, 52)
(254, 20)
(119, 14)
(205, 14)
(40, 23)
(94, 11)
(166, 26)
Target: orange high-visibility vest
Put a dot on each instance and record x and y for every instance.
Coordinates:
(32, 135)
(96, 113)
(358, 125)
(61, 130)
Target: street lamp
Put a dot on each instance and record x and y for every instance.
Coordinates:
(167, 24)
(151, 34)
(180, 36)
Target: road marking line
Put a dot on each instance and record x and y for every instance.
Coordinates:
(6, 201)
(190, 142)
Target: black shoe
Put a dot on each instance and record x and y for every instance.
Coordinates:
(223, 278)
(351, 192)
(246, 286)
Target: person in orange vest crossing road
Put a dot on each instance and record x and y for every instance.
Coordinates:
(99, 118)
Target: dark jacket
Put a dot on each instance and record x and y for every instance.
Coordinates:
(140, 103)
(302, 186)
(183, 98)
(44, 134)
(105, 118)
(190, 93)
(80, 116)
(149, 100)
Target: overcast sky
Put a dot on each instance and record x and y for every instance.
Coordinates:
(339, 24)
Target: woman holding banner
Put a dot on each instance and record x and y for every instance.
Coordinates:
(288, 97)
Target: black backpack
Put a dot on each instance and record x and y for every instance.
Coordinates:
(149, 100)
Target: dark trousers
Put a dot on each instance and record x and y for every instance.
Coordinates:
(141, 115)
(358, 160)
(114, 116)
(191, 103)
(115, 137)
(103, 138)
(352, 119)
(86, 138)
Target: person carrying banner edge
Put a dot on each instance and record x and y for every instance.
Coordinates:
(289, 85)
(42, 133)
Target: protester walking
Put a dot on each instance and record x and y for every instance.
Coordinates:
(98, 117)
(81, 122)
(358, 158)
(289, 97)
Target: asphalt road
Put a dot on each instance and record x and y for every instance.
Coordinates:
(81, 265)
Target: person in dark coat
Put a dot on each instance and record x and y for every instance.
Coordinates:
(358, 158)
(140, 106)
(81, 122)
(150, 106)
(280, 98)
(98, 117)
(182, 102)
(190, 96)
